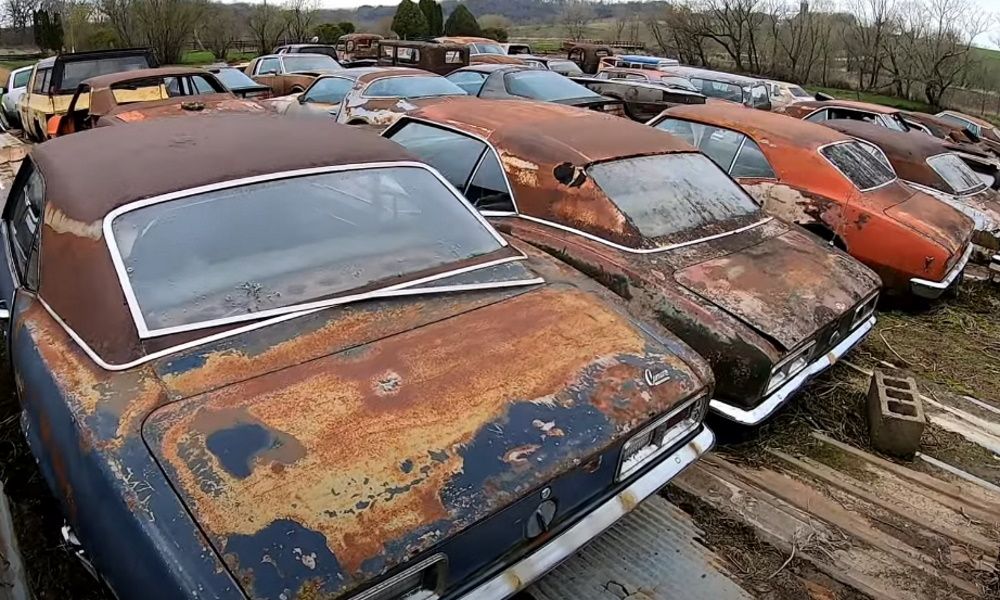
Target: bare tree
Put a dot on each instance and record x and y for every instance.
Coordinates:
(218, 30)
(795, 39)
(576, 16)
(867, 36)
(300, 16)
(266, 24)
(943, 52)
(166, 25)
(120, 14)
(621, 22)
(735, 25)
(19, 12)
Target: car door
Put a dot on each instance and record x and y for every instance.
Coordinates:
(267, 72)
(21, 232)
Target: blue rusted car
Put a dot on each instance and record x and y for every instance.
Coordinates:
(268, 358)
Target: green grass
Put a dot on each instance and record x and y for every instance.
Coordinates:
(206, 58)
(16, 64)
(900, 103)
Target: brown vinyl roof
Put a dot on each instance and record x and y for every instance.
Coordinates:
(908, 152)
(867, 106)
(759, 124)
(147, 159)
(104, 81)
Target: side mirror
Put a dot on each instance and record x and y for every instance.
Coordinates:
(53, 125)
(3, 90)
(302, 98)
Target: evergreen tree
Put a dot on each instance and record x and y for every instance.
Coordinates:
(435, 18)
(461, 22)
(346, 27)
(409, 22)
(328, 33)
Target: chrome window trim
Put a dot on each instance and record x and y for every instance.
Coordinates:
(133, 303)
(410, 119)
(732, 163)
(849, 180)
(966, 193)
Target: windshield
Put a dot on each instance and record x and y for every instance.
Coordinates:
(545, 85)
(719, 89)
(487, 48)
(895, 122)
(298, 64)
(859, 164)
(76, 71)
(671, 193)
(798, 92)
(677, 82)
(21, 78)
(566, 67)
(235, 79)
(291, 241)
(958, 175)
(416, 86)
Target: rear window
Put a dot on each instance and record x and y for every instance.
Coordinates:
(958, 175)
(76, 71)
(798, 92)
(261, 249)
(485, 48)
(416, 86)
(546, 86)
(327, 50)
(235, 79)
(565, 66)
(298, 63)
(719, 89)
(859, 165)
(670, 193)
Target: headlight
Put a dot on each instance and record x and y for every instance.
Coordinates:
(789, 367)
(865, 310)
(424, 580)
(660, 435)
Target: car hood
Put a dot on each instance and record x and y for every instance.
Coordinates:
(208, 104)
(415, 420)
(786, 287)
(935, 220)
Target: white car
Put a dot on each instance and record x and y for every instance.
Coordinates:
(783, 94)
(13, 91)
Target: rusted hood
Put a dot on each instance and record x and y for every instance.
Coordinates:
(317, 476)
(934, 220)
(787, 287)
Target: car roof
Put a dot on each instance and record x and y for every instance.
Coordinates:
(372, 73)
(465, 39)
(866, 106)
(104, 81)
(495, 67)
(968, 117)
(148, 159)
(759, 124)
(894, 143)
(710, 74)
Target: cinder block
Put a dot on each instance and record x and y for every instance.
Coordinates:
(895, 415)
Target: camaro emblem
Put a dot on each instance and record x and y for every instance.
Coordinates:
(540, 521)
(655, 379)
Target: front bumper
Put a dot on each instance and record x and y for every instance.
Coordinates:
(932, 290)
(995, 265)
(516, 577)
(781, 395)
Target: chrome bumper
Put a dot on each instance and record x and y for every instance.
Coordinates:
(781, 395)
(995, 264)
(517, 576)
(932, 290)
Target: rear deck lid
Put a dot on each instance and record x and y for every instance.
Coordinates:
(935, 220)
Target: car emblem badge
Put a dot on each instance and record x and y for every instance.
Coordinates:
(540, 521)
(653, 380)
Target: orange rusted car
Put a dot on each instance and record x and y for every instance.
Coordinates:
(132, 96)
(656, 221)
(837, 187)
(263, 357)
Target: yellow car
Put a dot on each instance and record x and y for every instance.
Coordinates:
(54, 81)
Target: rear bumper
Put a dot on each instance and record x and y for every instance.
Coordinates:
(516, 577)
(783, 394)
(932, 290)
(995, 264)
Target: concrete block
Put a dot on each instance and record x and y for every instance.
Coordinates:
(895, 415)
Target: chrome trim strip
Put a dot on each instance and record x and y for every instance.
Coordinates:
(932, 290)
(666, 248)
(522, 573)
(784, 393)
(119, 263)
(253, 326)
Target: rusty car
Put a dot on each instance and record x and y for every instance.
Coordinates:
(379, 95)
(434, 57)
(134, 96)
(981, 128)
(313, 370)
(290, 73)
(238, 82)
(654, 76)
(588, 57)
(482, 50)
(840, 188)
(739, 89)
(327, 49)
(358, 49)
(785, 94)
(930, 165)
(556, 64)
(53, 82)
(654, 220)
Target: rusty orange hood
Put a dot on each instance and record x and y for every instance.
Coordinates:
(935, 220)
(786, 287)
(419, 419)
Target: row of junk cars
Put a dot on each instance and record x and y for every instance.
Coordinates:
(265, 354)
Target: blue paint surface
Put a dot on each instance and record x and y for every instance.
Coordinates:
(236, 447)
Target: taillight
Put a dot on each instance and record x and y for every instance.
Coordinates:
(423, 581)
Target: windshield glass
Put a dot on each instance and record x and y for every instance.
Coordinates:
(719, 89)
(77, 70)
(798, 92)
(677, 82)
(958, 175)
(291, 241)
(299, 63)
(545, 85)
(895, 122)
(566, 67)
(858, 163)
(235, 79)
(671, 193)
(487, 48)
(21, 79)
(416, 86)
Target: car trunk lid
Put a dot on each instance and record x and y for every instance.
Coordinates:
(786, 287)
(934, 220)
